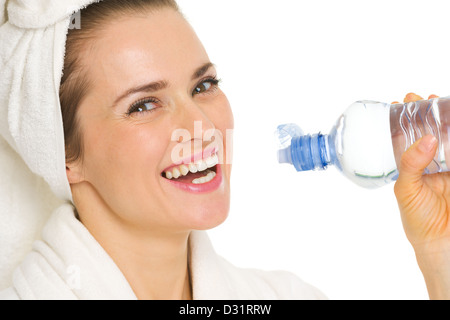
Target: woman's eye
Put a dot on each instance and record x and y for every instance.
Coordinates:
(142, 107)
(206, 86)
(145, 107)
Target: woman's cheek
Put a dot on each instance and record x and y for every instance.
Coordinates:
(121, 149)
(226, 125)
(137, 147)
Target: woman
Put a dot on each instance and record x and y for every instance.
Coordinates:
(141, 104)
(145, 128)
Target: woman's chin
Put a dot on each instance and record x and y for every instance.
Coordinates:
(206, 215)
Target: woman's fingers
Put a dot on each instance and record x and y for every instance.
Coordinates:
(413, 163)
(411, 97)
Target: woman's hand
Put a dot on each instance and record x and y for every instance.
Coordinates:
(424, 202)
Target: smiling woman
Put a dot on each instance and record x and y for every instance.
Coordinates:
(134, 74)
(142, 86)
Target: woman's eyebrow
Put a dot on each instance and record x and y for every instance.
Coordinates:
(160, 85)
(150, 87)
(202, 70)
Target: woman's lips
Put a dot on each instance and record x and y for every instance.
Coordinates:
(209, 186)
(199, 173)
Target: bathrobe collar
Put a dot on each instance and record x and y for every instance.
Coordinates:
(68, 263)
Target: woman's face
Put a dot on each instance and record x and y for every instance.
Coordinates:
(152, 99)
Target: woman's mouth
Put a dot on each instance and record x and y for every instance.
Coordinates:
(201, 171)
(203, 175)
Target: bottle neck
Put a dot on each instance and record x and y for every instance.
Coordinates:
(310, 152)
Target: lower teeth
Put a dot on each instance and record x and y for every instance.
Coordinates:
(208, 177)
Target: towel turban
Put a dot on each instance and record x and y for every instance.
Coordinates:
(33, 179)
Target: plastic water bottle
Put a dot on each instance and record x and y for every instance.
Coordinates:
(368, 140)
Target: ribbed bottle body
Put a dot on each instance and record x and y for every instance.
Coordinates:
(411, 121)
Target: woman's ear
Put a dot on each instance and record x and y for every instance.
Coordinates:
(74, 173)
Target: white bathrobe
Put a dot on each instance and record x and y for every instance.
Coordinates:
(68, 263)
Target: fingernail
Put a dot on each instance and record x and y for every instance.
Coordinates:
(427, 144)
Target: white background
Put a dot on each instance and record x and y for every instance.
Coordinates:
(305, 62)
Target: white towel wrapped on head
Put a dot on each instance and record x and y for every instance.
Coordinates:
(33, 179)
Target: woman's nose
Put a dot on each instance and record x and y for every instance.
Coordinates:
(193, 132)
(192, 118)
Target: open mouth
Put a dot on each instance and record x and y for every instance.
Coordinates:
(199, 172)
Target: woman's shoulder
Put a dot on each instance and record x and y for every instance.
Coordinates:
(274, 284)
(217, 278)
(8, 294)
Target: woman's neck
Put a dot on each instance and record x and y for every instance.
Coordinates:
(156, 265)
(155, 268)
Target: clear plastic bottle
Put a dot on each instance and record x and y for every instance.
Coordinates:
(368, 140)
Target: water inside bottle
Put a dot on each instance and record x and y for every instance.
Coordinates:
(368, 159)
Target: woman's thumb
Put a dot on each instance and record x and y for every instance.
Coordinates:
(414, 161)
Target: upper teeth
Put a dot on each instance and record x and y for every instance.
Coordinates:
(184, 169)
